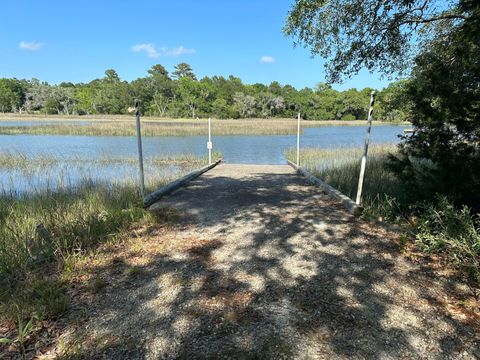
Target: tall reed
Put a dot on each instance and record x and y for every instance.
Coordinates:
(58, 216)
(340, 167)
(172, 127)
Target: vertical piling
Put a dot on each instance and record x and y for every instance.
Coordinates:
(298, 139)
(140, 152)
(209, 144)
(365, 150)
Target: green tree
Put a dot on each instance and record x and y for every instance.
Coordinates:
(111, 95)
(183, 70)
(373, 34)
(158, 71)
(353, 105)
(221, 109)
(12, 95)
(143, 89)
(443, 155)
(244, 104)
(84, 100)
(392, 102)
(163, 89)
(111, 76)
(293, 101)
(191, 93)
(326, 103)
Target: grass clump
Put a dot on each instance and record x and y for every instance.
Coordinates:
(76, 221)
(34, 295)
(46, 229)
(443, 228)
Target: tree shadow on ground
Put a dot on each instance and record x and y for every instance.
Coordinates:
(266, 266)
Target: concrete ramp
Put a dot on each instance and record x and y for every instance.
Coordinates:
(235, 189)
(263, 265)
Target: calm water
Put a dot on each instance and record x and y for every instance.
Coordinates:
(261, 149)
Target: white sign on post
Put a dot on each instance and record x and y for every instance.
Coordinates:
(209, 143)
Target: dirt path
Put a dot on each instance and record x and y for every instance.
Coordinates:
(263, 265)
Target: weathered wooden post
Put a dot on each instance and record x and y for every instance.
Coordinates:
(365, 150)
(298, 139)
(140, 152)
(44, 233)
(209, 143)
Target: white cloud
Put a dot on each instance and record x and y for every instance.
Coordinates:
(178, 51)
(30, 45)
(267, 59)
(149, 49)
(152, 51)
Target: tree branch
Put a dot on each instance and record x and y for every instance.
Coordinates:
(434, 18)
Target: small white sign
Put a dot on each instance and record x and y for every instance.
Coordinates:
(209, 145)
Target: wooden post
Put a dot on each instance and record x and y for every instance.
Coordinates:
(209, 143)
(298, 139)
(44, 233)
(140, 153)
(365, 150)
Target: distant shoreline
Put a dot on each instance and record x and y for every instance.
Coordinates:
(121, 117)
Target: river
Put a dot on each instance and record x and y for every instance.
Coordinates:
(248, 149)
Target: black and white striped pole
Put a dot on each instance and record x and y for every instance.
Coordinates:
(365, 150)
(140, 152)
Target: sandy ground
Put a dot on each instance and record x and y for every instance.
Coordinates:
(263, 265)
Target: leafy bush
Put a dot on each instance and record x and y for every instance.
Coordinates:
(443, 155)
(348, 117)
(442, 228)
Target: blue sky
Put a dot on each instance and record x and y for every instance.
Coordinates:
(78, 40)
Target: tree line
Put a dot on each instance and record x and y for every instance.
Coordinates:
(180, 95)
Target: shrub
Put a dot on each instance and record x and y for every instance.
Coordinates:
(444, 91)
(443, 228)
(349, 117)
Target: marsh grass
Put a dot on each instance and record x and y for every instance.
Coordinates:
(172, 127)
(78, 216)
(14, 160)
(340, 168)
(77, 220)
(36, 173)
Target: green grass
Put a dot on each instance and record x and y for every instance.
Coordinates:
(340, 168)
(444, 228)
(125, 126)
(77, 219)
(13, 160)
